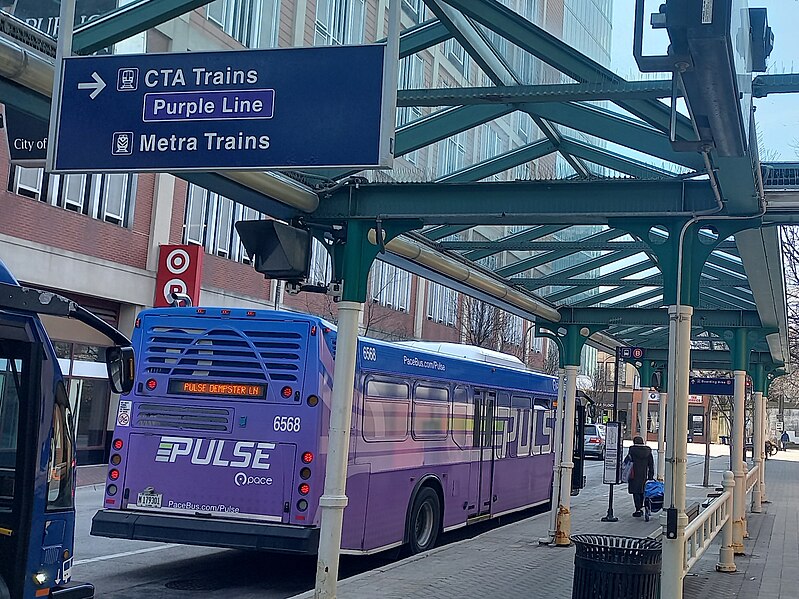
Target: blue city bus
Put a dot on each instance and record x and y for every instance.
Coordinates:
(223, 439)
(37, 444)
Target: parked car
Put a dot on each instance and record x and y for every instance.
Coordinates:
(594, 437)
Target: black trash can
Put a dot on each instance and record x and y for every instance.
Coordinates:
(610, 567)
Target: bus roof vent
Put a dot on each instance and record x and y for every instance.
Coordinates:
(468, 352)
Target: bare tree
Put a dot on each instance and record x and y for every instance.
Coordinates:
(552, 360)
(601, 389)
(482, 324)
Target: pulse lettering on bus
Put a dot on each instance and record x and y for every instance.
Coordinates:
(210, 452)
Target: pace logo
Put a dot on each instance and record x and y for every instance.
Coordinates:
(242, 480)
(215, 452)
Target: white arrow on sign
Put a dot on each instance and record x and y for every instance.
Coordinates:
(98, 85)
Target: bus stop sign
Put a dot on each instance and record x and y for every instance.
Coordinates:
(243, 110)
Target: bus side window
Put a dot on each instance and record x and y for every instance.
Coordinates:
(520, 409)
(59, 467)
(430, 419)
(462, 422)
(386, 410)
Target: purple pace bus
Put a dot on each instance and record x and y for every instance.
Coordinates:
(222, 441)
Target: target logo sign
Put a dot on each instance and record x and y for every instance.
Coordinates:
(179, 271)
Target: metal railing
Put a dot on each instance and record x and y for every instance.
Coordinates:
(699, 534)
(752, 478)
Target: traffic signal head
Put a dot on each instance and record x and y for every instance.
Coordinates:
(278, 251)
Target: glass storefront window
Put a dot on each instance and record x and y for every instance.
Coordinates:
(89, 353)
(63, 349)
(89, 401)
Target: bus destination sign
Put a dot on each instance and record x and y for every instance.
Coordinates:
(182, 387)
(241, 110)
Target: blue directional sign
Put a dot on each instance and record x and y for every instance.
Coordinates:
(710, 386)
(251, 109)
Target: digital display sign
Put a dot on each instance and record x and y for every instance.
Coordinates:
(216, 388)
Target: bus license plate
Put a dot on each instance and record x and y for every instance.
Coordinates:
(149, 500)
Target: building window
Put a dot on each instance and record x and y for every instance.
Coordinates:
(490, 146)
(321, 272)
(391, 286)
(414, 9)
(451, 154)
(339, 22)
(442, 304)
(209, 221)
(104, 197)
(457, 55)
(411, 76)
(524, 126)
(253, 23)
(515, 329)
(195, 222)
(27, 182)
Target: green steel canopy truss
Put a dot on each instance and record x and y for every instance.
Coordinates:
(569, 236)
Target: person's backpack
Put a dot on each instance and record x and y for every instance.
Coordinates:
(627, 470)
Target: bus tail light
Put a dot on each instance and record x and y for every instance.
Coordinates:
(305, 473)
(111, 490)
(116, 459)
(286, 391)
(118, 444)
(113, 474)
(307, 457)
(151, 384)
(304, 489)
(313, 400)
(302, 505)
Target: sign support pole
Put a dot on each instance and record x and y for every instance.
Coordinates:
(610, 517)
(66, 26)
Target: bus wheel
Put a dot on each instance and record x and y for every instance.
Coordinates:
(425, 521)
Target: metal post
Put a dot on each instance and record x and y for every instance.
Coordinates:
(66, 25)
(762, 475)
(334, 500)
(555, 500)
(563, 525)
(664, 398)
(739, 496)
(609, 517)
(706, 431)
(726, 561)
(673, 519)
(757, 448)
(642, 413)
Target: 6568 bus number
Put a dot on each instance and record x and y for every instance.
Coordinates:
(287, 424)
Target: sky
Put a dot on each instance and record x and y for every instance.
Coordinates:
(778, 115)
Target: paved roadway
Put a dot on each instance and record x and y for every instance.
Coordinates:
(134, 569)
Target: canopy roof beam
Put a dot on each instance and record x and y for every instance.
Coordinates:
(527, 94)
(517, 202)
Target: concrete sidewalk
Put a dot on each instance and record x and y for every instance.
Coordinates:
(770, 568)
(507, 562)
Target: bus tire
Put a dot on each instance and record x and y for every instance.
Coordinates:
(425, 521)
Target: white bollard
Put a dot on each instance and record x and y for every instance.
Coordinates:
(563, 527)
(726, 561)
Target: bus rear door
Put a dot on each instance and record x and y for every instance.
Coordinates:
(484, 414)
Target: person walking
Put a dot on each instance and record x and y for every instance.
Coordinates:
(643, 469)
(784, 439)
